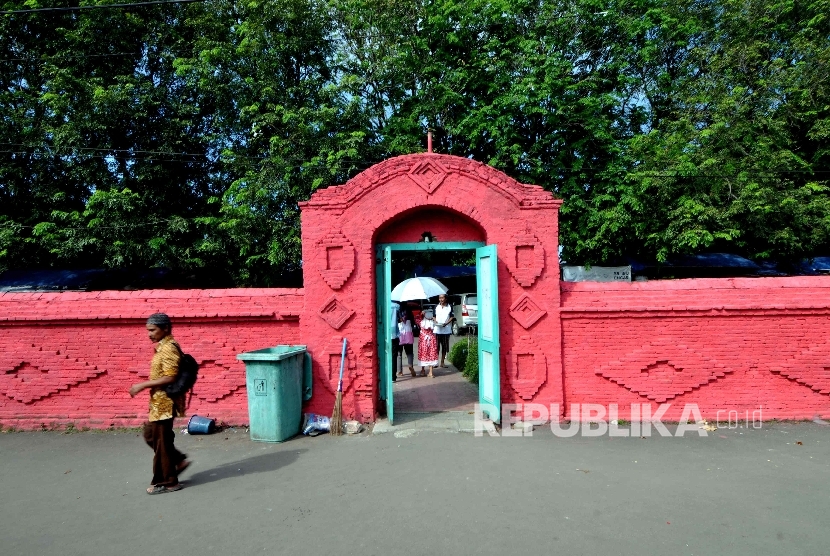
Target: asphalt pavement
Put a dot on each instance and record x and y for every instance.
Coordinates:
(740, 491)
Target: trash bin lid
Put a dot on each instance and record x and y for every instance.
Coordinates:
(276, 353)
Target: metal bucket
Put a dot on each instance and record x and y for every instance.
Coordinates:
(200, 425)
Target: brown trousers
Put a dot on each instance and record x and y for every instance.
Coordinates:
(159, 436)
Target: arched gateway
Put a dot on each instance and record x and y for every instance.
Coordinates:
(345, 231)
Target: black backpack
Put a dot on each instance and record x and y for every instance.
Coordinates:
(185, 377)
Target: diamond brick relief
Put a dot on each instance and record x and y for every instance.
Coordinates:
(663, 370)
(33, 373)
(810, 368)
(217, 381)
(525, 258)
(335, 259)
(335, 313)
(525, 368)
(428, 175)
(526, 312)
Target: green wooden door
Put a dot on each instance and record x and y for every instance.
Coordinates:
(489, 388)
(384, 289)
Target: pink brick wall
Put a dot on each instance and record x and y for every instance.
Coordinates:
(724, 344)
(71, 357)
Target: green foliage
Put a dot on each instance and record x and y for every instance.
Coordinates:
(471, 364)
(184, 135)
(458, 355)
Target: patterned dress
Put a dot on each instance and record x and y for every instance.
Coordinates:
(427, 344)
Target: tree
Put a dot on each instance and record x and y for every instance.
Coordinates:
(185, 135)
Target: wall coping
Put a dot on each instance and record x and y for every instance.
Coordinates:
(811, 282)
(702, 296)
(339, 197)
(246, 303)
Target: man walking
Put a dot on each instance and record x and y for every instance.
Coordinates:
(168, 462)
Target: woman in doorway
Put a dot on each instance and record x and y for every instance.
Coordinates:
(427, 344)
(405, 339)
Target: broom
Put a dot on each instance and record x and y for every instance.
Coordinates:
(336, 428)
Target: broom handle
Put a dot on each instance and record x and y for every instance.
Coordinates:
(342, 360)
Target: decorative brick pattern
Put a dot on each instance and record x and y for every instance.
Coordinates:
(456, 199)
(810, 367)
(726, 345)
(327, 367)
(526, 312)
(428, 174)
(221, 374)
(730, 346)
(662, 370)
(523, 196)
(525, 367)
(335, 313)
(30, 372)
(336, 260)
(71, 357)
(525, 258)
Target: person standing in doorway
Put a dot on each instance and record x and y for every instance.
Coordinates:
(443, 328)
(406, 338)
(168, 462)
(427, 344)
(394, 317)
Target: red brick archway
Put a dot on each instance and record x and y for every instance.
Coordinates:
(456, 199)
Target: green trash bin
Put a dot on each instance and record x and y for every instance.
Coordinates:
(278, 379)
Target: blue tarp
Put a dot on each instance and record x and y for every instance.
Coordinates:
(712, 260)
(439, 272)
(22, 280)
(818, 265)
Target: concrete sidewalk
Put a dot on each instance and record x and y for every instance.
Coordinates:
(734, 492)
(408, 423)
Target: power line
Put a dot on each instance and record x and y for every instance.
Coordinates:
(71, 57)
(98, 7)
(361, 165)
(11, 224)
(339, 165)
(169, 156)
(129, 154)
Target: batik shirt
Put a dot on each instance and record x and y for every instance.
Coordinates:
(165, 363)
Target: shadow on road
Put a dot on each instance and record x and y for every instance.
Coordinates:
(256, 464)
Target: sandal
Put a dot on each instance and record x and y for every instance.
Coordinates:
(400, 373)
(412, 372)
(423, 372)
(162, 489)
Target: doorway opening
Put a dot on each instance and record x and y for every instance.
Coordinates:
(449, 390)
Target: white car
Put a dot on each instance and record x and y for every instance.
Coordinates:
(465, 311)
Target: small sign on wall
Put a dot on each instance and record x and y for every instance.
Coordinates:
(596, 274)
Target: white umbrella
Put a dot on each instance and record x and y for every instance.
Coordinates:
(418, 288)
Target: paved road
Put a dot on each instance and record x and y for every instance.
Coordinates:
(735, 492)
